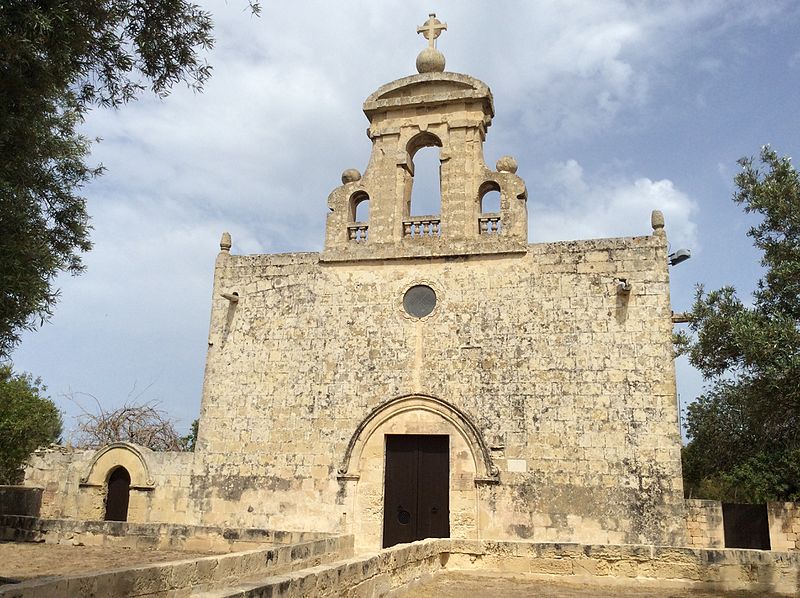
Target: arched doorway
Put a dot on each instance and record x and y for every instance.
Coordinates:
(119, 485)
(392, 444)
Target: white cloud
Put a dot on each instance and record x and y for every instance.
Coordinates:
(573, 208)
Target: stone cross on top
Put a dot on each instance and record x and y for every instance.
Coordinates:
(432, 29)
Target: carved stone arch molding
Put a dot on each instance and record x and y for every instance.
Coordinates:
(116, 454)
(486, 471)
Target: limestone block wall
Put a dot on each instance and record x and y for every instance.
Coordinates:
(704, 524)
(784, 525)
(58, 471)
(568, 382)
(163, 536)
(74, 483)
(704, 528)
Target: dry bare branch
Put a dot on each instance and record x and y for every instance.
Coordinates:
(140, 423)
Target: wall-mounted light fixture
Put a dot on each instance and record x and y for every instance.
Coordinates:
(679, 256)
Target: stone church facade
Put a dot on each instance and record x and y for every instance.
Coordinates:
(431, 375)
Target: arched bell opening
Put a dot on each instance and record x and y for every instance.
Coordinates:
(423, 192)
(359, 207)
(358, 216)
(118, 495)
(489, 208)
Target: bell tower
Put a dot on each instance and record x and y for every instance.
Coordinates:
(435, 108)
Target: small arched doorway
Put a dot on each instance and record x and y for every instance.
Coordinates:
(119, 486)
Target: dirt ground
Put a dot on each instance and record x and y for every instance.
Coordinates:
(493, 585)
(26, 560)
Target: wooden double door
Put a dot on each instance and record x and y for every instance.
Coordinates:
(417, 488)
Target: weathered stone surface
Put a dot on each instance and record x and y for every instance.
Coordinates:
(75, 483)
(784, 525)
(537, 350)
(147, 535)
(704, 524)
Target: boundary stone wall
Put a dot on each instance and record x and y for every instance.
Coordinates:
(74, 483)
(146, 535)
(704, 524)
(784, 525)
(20, 500)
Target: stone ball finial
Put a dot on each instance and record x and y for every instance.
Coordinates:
(351, 175)
(430, 60)
(225, 242)
(507, 164)
(657, 220)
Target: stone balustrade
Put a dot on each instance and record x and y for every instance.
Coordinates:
(357, 232)
(489, 224)
(422, 226)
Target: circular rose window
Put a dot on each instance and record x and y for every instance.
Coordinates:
(419, 301)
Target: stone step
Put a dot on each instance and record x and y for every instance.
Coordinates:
(255, 586)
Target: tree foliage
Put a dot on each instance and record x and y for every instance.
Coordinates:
(28, 420)
(189, 442)
(58, 58)
(745, 429)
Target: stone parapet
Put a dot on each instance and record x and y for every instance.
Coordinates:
(326, 568)
(395, 570)
(181, 578)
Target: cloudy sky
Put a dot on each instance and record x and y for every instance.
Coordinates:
(611, 108)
